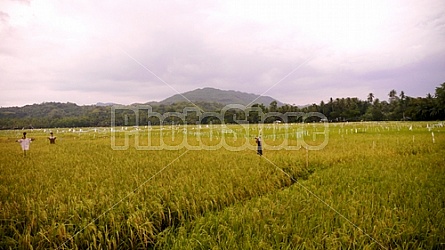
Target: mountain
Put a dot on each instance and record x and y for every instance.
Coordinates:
(225, 97)
(102, 104)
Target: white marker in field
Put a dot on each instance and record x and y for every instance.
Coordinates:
(432, 135)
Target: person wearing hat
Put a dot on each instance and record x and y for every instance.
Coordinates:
(52, 138)
(24, 142)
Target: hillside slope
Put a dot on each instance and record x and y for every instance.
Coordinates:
(220, 96)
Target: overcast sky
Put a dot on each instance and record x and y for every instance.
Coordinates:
(299, 52)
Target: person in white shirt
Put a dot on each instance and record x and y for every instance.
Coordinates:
(24, 142)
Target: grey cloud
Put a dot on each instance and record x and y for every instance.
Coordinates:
(426, 72)
(121, 49)
(4, 17)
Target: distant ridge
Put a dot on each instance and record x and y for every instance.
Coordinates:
(220, 96)
(102, 104)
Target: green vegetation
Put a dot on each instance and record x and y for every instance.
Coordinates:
(224, 97)
(397, 108)
(375, 185)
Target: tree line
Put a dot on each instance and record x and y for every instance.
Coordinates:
(398, 107)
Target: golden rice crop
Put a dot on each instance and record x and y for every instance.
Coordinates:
(374, 185)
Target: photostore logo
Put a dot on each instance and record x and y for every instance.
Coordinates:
(234, 128)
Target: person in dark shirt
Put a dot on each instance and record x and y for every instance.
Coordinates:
(52, 138)
(260, 148)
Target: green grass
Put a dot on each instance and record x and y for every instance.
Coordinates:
(375, 185)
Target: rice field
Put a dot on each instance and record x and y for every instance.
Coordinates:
(318, 186)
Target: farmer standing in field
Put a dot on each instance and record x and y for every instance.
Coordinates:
(52, 138)
(259, 149)
(24, 142)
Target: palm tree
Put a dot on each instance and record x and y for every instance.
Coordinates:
(392, 95)
(402, 95)
(370, 97)
(402, 102)
(440, 100)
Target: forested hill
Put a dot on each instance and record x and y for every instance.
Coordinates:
(224, 97)
(397, 107)
(55, 114)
